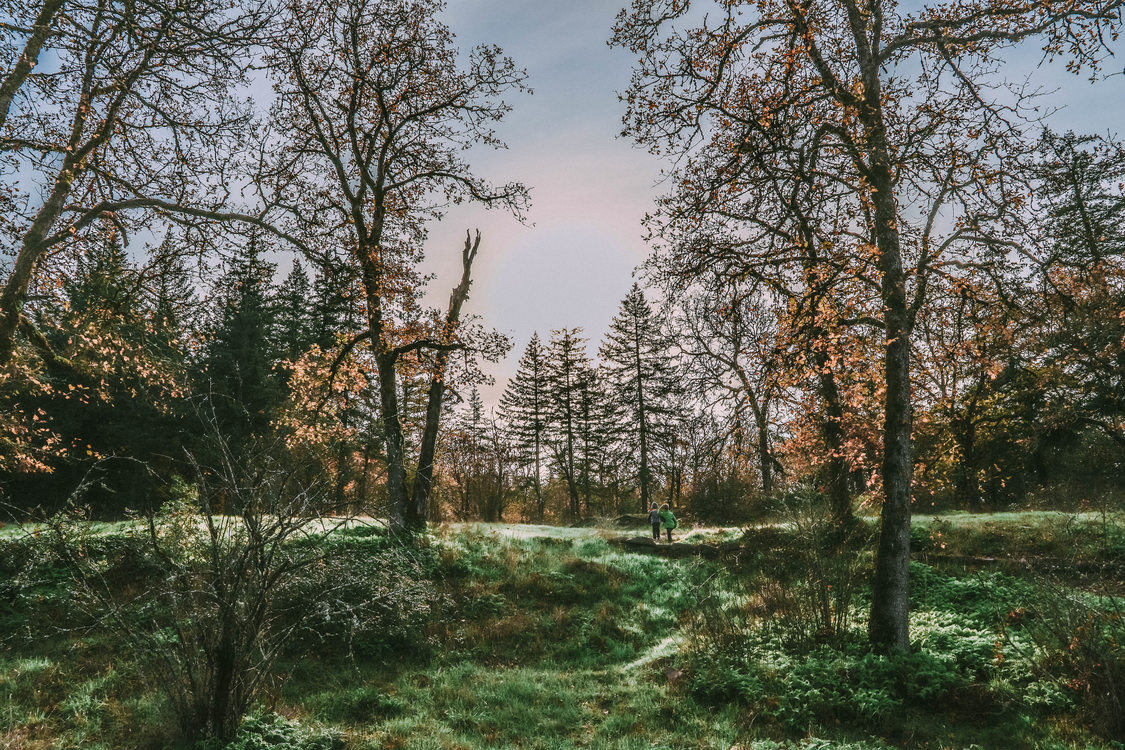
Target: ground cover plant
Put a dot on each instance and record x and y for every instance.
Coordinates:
(572, 641)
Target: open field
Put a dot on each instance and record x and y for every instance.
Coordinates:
(545, 637)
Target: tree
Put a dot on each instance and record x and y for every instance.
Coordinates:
(218, 597)
(107, 385)
(293, 321)
(731, 347)
(597, 423)
(127, 125)
(637, 357)
(525, 409)
(238, 363)
(1079, 204)
(479, 459)
(857, 83)
(567, 364)
(373, 111)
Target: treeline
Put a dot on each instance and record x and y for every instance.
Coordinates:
(711, 397)
(725, 392)
(146, 363)
(740, 385)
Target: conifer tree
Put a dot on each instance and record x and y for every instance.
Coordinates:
(172, 299)
(566, 363)
(330, 309)
(597, 417)
(238, 364)
(293, 322)
(524, 406)
(641, 378)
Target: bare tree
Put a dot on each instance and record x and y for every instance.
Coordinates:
(731, 345)
(133, 120)
(372, 113)
(231, 575)
(897, 113)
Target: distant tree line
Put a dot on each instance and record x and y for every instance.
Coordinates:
(714, 398)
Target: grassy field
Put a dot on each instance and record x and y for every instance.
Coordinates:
(539, 637)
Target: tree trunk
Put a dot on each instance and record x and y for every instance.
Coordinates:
(392, 428)
(888, 627)
(423, 478)
(14, 293)
(764, 458)
(968, 479)
(839, 499)
(28, 59)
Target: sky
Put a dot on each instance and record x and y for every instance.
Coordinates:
(574, 261)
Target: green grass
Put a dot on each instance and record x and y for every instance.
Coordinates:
(555, 638)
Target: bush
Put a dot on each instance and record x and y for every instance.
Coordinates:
(371, 598)
(272, 732)
(1077, 641)
(233, 574)
(831, 684)
(810, 599)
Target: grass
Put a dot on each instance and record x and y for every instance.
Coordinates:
(555, 638)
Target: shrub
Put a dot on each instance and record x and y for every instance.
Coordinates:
(1077, 641)
(243, 570)
(272, 732)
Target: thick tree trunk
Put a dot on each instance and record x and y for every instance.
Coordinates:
(888, 627)
(392, 429)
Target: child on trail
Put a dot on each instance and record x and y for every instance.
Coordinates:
(654, 519)
(667, 519)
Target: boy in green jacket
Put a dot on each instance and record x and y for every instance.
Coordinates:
(668, 520)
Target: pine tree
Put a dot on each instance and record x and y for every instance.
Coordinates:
(524, 406)
(641, 378)
(293, 321)
(172, 299)
(105, 286)
(596, 420)
(330, 311)
(566, 363)
(238, 362)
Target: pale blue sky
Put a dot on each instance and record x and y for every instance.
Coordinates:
(590, 188)
(573, 263)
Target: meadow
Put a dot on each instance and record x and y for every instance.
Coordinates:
(512, 636)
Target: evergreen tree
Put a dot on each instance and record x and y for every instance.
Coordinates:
(566, 363)
(641, 378)
(524, 406)
(104, 389)
(331, 312)
(105, 286)
(293, 321)
(596, 421)
(238, 363)
(173, 300)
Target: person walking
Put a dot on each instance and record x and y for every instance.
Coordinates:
(667, 519)
(654, 519)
